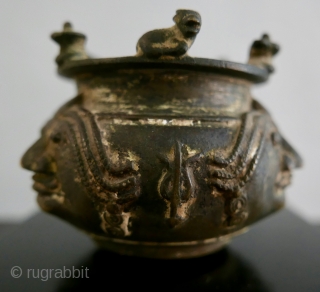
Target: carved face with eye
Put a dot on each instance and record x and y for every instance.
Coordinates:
(73, 176)
(41, 158)
(51, 158)
(188, 21)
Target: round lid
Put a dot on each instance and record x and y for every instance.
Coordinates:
(100, 66)
(164, 49)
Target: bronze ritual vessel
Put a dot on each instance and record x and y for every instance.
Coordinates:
(161, 154)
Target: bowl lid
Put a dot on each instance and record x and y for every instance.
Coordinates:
(164, 49)
(100, 66)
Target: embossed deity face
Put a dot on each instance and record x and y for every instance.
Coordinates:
(73, 176)
(56, 179)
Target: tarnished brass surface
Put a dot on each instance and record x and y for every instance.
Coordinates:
(161, 154)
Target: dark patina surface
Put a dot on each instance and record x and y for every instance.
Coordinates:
(161, 154)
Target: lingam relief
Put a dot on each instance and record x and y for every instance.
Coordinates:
(161, 154)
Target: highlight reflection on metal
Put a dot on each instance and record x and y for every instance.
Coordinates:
(161, 154)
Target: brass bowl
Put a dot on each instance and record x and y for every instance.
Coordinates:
(161, 155)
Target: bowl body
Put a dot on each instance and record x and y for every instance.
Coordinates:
(165, 159)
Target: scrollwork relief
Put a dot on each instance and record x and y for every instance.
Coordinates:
(110, 178)
(228, 174)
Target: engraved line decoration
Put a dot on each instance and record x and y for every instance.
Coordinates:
(113, 187)
(229, 175)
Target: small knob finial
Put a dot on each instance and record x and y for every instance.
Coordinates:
(262, 51)
(71, 44)
(67, 26)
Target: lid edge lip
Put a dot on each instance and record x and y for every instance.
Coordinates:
(229, 68)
